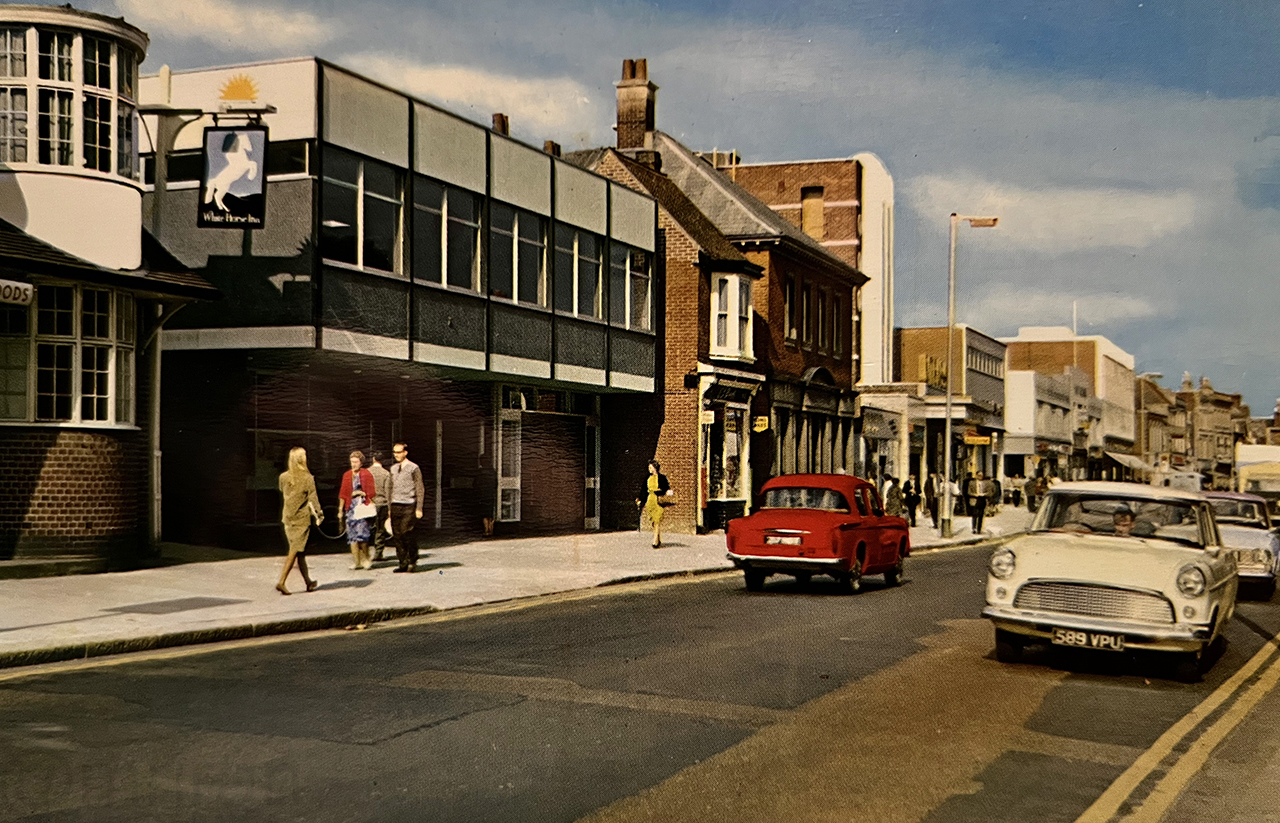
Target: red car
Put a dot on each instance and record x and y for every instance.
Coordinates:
(819, 524)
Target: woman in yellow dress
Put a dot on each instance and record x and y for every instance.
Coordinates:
(301, 503)
(655, 486)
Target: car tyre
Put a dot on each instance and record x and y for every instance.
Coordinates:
(893, 577)
(755, 580)
(851, 581)
(1008, 647)
(803, 578)
(1189, 666)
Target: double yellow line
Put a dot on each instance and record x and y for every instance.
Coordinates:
(1189, 763)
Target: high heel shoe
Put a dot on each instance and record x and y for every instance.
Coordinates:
(280, 588)
(312, 585)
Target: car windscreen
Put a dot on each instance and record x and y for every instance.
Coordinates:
(1239, 512)
(795, 497)
(1087, 513)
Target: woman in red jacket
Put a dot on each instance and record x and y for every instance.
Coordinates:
(357, 489)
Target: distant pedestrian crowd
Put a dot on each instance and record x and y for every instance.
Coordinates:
(374, 504)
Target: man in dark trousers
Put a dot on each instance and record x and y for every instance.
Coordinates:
(977, 494)
(407, 493)
(932, 494)
(911, 496)
(382, 501)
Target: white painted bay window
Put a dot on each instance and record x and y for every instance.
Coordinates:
(731, 317)
(75, 364)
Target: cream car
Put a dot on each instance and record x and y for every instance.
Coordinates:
(1114, 567)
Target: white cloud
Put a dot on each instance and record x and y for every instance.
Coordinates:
(1053, 220)
(1002, 312)
(234, 25)
(537, 106)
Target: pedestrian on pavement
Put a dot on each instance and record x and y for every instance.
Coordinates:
(893, 505)
(381, 502)
(911, 496)
(356, 490)
(656, 487)
(933, 492)
(962, 502)
(1032, 489)
(407, 494)
(1015, 490)
(977, 495)
(301, 504)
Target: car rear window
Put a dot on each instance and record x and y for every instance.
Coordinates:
(1238, 511)
(805, 498)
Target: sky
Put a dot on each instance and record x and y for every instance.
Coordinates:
(1130, 149)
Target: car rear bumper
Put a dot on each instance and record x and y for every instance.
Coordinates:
(1255, 574)
(779, 562)
(1175, 637)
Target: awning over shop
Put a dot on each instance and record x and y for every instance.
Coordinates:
(1131, 462)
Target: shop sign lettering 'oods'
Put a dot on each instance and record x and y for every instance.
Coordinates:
(13, 292)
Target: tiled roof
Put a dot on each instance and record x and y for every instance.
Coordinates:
(160, 271)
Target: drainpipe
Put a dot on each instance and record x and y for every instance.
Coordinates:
(152, 348)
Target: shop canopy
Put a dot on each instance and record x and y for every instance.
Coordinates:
(1129, 461)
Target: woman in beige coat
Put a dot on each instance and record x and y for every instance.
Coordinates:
(301, 503)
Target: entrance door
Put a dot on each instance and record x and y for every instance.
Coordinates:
(509, 465)
(591, 464)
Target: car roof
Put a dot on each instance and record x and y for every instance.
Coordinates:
(1252, 498)
(846, 484)
(1133, 490)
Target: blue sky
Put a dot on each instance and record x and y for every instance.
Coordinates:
(1132, 149)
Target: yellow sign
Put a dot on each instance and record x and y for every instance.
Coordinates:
(708, 418)
(977, 440)
(760, 424)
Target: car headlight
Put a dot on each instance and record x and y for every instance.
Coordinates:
(1002, 563)
(1262, 557)
(1191, 581)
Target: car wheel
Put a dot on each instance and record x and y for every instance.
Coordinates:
(755, 580)
(852, 580)
(1267, 591)
(1008, 647)
(802, 579)
(1189, 666)
(893, 577)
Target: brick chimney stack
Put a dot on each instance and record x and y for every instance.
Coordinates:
(501, 124)
(636, 100)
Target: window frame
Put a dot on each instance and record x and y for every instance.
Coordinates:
(114, 393)
(363, 193)
(445, 220)
(9, 37)
(602, 263)
(519, 246)
(726, 307)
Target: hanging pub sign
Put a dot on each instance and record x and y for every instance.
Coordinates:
(233, 190)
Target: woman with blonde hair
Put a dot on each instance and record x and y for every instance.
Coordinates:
(301, 504)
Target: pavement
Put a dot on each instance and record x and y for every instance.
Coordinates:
(48, 619)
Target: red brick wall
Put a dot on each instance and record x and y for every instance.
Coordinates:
(1051, 357)
(791, 358)
(779, 185)
(71, 491)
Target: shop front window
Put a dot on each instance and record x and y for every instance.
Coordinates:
(725, 441)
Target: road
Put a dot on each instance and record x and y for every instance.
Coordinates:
(683, 700)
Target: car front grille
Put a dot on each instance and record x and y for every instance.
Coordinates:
(1094, 601)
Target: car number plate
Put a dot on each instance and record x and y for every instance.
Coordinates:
(1089, 640)
(777, 538)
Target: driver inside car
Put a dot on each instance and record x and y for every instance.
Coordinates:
(1122, 521)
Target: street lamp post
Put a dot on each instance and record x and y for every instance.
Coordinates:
(944, 519)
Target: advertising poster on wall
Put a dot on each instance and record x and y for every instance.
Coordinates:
(233, 187)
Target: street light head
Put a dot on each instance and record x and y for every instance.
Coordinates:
(983, 222)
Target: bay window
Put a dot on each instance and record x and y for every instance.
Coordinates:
(76, 365)
(55, 56)
(13, 124)
(97, 132)
(446, 235)
(731, 316)
(96, 59)
(56, 123)
(360, 212)
(13, 53)
(517, 255)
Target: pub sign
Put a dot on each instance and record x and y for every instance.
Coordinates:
(234, 185)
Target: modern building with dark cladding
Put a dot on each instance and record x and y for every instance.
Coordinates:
(418, 277)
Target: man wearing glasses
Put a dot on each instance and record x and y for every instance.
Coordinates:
(407, 492)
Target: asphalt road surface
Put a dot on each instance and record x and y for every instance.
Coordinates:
(683, 700)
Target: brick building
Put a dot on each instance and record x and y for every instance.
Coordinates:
(760, 353)
(84, 291)
(418, 277)
(1215, 424)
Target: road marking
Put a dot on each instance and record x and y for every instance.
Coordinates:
(1108, 803)
(551, 688)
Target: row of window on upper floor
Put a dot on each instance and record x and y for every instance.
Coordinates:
(81, 99)
(363, 224)
(815, 317)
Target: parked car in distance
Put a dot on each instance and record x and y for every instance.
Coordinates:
(1114, 567)
(811, 524)
(1247, 530)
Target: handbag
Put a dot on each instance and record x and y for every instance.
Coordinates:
(363, 511)
(667, 500)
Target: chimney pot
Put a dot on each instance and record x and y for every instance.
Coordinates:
(501, 123)
(637, 101)
(628, 70)
(552, 148)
